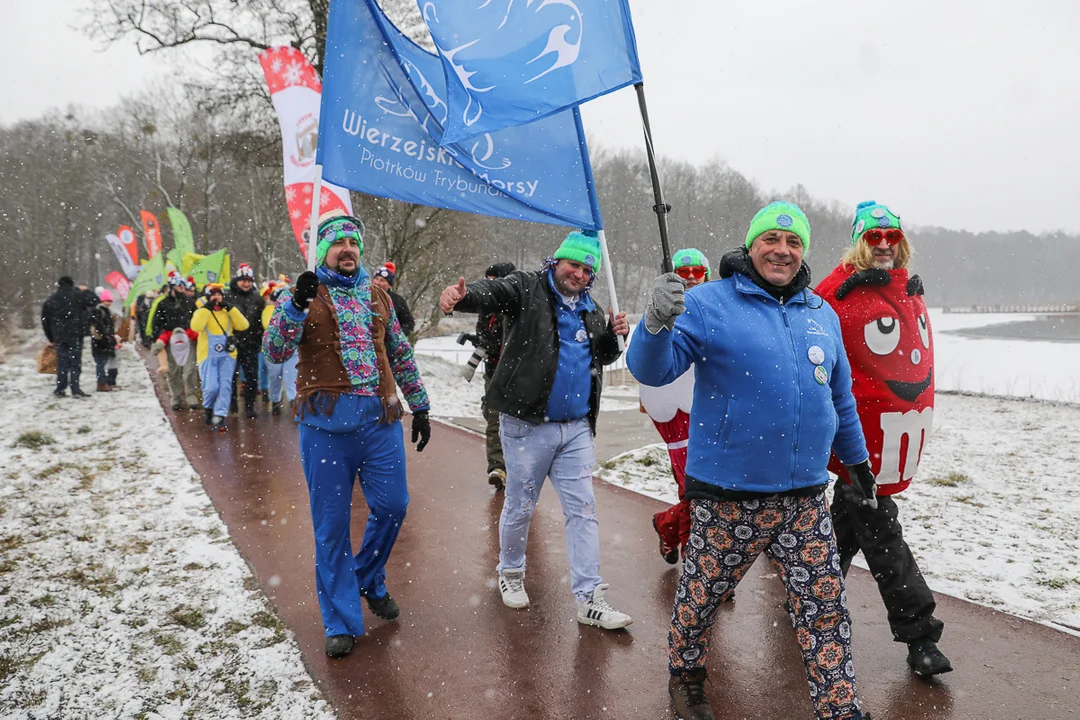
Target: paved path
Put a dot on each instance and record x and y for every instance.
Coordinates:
(456, 652)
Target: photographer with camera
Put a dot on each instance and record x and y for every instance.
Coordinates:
(488, 342)
(215, 322)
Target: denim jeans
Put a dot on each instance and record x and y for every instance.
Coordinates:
(564, 452)
(99, 365)
(68, 365)
(282, 375)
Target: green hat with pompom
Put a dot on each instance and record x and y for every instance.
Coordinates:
(691, 257)
(871, 214)
(780, 215)
(581, 246)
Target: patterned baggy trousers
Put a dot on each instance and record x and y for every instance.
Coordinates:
(797, 535)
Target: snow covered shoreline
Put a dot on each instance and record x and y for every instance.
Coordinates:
(991, 516)
(121, 593)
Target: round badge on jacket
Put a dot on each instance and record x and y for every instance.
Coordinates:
(821, 375)
(816, 354)
(581, 335)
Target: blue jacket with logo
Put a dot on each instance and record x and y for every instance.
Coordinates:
(765, 418)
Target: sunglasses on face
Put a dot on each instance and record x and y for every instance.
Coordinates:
(891, 236)
(692, 271)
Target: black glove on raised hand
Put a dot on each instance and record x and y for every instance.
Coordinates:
(862, 490)
(307, 287)
(421, 429)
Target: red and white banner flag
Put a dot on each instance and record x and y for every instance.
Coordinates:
(126, 249)
(151, 233)
(295, 89)
(119, 281)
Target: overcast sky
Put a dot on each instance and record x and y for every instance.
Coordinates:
(962, 114)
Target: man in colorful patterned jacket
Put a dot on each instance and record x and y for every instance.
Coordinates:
(352, 351)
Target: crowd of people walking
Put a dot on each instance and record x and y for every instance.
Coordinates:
(788, 382)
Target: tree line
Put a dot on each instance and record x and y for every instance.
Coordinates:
(212, 148)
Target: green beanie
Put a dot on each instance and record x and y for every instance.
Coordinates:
(780, 215)
(871, 214)
(334, 228)
(692, 257)
(581, 246)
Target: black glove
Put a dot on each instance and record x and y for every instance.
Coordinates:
(862, 490)
(307, 287)
(421, 429)
(225, 306)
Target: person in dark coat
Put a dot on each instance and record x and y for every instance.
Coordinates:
(547, 386)
(103, 340)
(384, 278)
(490, 330)
(64, 320)
(244, 297)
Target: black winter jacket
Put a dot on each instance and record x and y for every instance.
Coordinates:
(65, 314)
(404, 315)
(102, 330)
(523, 378)
(250, 306)
(174, 311)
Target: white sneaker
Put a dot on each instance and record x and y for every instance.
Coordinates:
(512, 588)
(598, 612)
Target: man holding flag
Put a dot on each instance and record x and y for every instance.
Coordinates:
(352, 352)
(549, 404)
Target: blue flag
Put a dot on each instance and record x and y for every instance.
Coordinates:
(512, 62)
(383, 112)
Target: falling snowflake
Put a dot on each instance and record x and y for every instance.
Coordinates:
(294, 74)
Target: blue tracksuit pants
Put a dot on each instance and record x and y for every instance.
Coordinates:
(216, 375)
(352, 447)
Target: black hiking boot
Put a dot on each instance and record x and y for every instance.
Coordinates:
(208, 415)
(926, 660)
(177, 406)
(275, 409)
(59, 393)
(266, 396)
(687, 690)
(76, 392)
(384, 608)
(497, 479)
(249, 409)
(338, 646)
(668, 552)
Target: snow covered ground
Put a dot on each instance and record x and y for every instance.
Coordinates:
(992, 517)
(121, 594)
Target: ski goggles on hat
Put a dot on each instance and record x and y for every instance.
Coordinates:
(874, 236)
(691, 271)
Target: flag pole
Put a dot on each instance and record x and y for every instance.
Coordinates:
(660, 207)
(313, 229)
(605, 259)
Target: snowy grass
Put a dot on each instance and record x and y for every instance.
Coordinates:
(993, 516)
(121, 594)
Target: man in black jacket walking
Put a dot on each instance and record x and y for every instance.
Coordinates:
(547, 388)
(243, 296)
(64, 318)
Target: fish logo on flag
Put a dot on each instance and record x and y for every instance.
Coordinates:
(509, 62)
(384, 100)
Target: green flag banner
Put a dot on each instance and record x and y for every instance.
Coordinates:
(151, 278)
(175, 257)
(212, 268)
(181, 232)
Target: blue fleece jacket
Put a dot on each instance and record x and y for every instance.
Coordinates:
(764, 418)
(572, 387)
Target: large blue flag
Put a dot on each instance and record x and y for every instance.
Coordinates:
(383, 112)
(511, 62)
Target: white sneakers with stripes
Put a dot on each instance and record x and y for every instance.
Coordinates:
(512, 589)
(598, 611)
